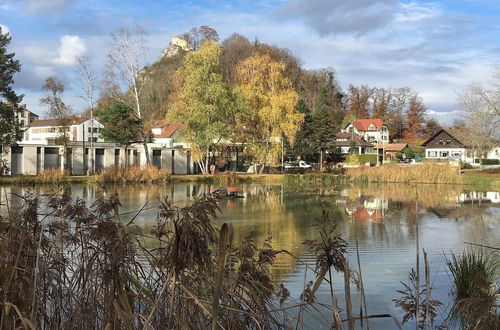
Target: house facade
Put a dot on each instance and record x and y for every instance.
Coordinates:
(443, 145)
(80, 129)
(345, 141)
(371, 130)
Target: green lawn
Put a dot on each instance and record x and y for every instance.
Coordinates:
(483, 179)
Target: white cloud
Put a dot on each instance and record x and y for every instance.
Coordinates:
(69, 49)
(4, 29)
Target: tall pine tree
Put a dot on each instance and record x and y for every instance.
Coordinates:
(10, 127)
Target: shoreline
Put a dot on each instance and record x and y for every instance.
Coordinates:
(479, 179)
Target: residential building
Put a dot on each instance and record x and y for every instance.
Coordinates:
(443, 145)
(371, 130)
(391, 149)
(80, 129)
(166, 134)
(26, 117)
(346, 140)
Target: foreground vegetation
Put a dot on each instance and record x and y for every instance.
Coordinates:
(64, 265)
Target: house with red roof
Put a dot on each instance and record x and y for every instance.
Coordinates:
(164, 133)
(372, 130)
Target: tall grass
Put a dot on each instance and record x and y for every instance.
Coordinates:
(134, 174)
(475, 283)
(49, 176)
(422, 173)
(64, 265)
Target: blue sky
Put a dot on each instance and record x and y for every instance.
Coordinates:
(434, 47)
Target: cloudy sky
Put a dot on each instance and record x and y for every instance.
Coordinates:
(433, 47)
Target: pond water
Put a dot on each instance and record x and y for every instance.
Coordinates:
(383, 219)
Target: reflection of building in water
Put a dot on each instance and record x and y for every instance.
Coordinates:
(368, 209)
(479, 197)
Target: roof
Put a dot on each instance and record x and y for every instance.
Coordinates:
(75, 120)
(362, 124)
(167, 129)
(392, 146)
(359, 142)
(448, 131)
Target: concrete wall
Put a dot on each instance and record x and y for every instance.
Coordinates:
(35, 159)
(109, 157)
(29, 160)
(180, 162)
(78, 166)
(166, 160)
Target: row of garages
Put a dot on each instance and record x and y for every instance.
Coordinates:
(78, 160)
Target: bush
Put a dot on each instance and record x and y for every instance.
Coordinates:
(352, 159)
(409, 153)
(487, 161)
(365, 158)
(465, 166)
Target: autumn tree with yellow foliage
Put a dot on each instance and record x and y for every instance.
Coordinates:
(203, 103)
(272, 99)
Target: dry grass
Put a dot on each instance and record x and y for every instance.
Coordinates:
(134, 174)
(422, 173)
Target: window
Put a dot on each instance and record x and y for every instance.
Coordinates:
(371, 127)
(441, 142)
(448, 141)
(89, 139)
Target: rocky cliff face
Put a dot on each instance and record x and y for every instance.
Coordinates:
(176, 45)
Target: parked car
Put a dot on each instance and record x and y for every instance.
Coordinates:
(303, 164)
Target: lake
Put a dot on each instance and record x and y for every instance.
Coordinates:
(382, 218)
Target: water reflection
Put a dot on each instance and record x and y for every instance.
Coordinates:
(382, 218)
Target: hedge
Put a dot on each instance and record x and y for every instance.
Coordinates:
(365, 158)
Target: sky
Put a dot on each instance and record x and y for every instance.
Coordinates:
(434, 47)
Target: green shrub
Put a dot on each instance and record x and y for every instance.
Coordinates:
(409, 153)
(365, 158)
(491, 161)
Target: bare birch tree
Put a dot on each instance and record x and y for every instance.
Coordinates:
(126, 59)
(482, 114)
(58, 110)
(87, 79)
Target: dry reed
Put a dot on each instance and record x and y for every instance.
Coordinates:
(421, 173)
(134, 174)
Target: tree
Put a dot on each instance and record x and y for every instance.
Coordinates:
(431, 127)
(203, 103)
(10, 127)
(120, 124)
(272, 99)
(58, 109)
(415, 118)
(126, 60)
(358, 101)
(481, 119)
(304, 145)
(396, 115)
(235, 49)
(198, 35)
(88, 83)
(381, 103)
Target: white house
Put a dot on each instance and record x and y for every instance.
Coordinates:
(81, 129)
(442, 145)
(371, 130)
